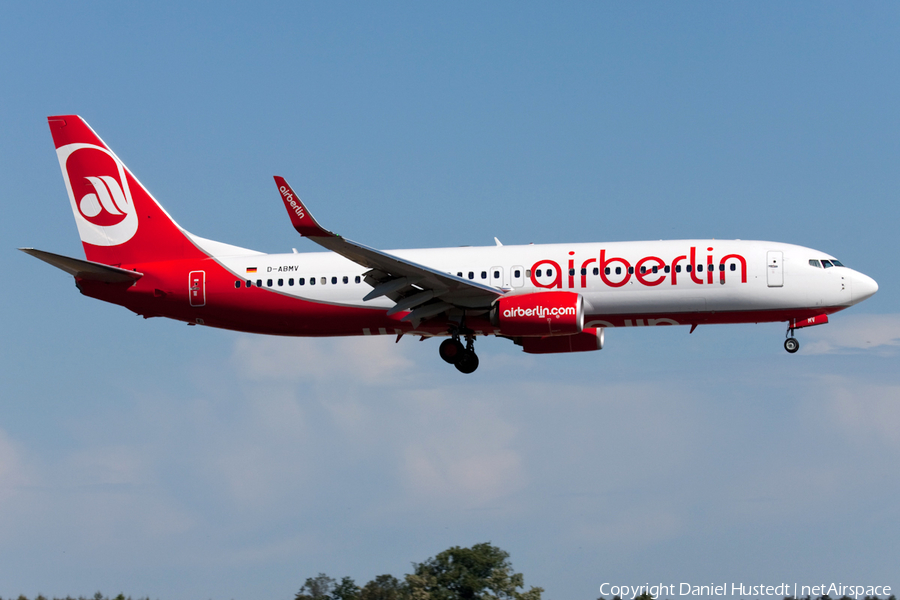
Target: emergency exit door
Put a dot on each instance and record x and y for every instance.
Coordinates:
(197, 288)
(775, 268)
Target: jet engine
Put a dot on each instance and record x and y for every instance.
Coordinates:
(539, 314)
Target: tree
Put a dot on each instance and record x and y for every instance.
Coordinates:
(482, 572)
(384, 587)
(316, 588)
(346, 590)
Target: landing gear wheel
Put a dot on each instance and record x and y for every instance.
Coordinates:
(451, 350)
(791, 345)
(468, 362)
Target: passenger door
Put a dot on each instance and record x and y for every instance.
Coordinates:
(197, 288)
(775, 268)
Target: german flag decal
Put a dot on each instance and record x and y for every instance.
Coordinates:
(251, 269)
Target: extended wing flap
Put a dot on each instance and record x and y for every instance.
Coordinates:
(85, 269)
(455, 291)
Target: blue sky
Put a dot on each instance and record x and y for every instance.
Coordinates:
(180, 462)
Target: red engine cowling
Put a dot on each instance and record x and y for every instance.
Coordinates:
(586, 341)
(539, 314)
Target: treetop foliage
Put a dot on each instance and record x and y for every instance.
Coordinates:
(482, 572)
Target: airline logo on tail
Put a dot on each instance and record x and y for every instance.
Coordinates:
(99, 193)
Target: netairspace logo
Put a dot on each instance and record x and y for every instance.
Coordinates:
(782, 590)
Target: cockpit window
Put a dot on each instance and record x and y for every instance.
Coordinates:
(815, 263)
(836, 263)
(827, 264)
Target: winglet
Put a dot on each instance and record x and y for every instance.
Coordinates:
(301, 218)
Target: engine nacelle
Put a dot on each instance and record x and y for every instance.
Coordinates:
(539, 314)
(586, 341)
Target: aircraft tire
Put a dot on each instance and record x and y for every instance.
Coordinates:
(468, 362)
(450, 350)
(791, 345)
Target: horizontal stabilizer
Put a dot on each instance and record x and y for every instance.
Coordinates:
(85, 269)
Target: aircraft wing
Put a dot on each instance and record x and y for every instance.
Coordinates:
(85, 269)
(424, 291)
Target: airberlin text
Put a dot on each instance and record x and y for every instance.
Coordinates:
(650, 271)
(539, 311)
(289, 198)
(744, 590)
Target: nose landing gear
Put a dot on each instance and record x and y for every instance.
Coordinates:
(791, 344)
(462, 357)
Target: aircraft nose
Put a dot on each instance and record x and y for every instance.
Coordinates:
(862, 287)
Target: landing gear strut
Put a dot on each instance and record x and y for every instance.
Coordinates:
(463, 357)
(791, 344)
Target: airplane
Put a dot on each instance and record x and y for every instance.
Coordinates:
(551, 298)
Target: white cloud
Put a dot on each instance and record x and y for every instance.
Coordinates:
(865, 412)
(13, 473)
(457, 457)
(370, 359)
(853, 333)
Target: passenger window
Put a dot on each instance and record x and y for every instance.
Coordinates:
(667, 268)
(259, 283)
(517, 273)
(237, 284)
(528, 273)
(249, 283)
(346, 279)
(618, 270)
(733, 267)
(496, 274)
(687, 268)
(484, 274)
(656, 269)
(815, 263)
(584, 271)
(357, 279)
(631, 270)
(471, 275)
(572, 271)
(301, 281)
(537, 273)
(596, 271)
(699, 268)
(312, 281)
(324, 280)
(291, 282)
(549, 272)
(643, 270)
(334, 280)
(280, 282)
(678, 268)
(269, 282)
(606, 270)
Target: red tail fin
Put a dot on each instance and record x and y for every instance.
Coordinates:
(118, 220)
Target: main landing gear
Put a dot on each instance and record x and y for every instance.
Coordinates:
(462, 357)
